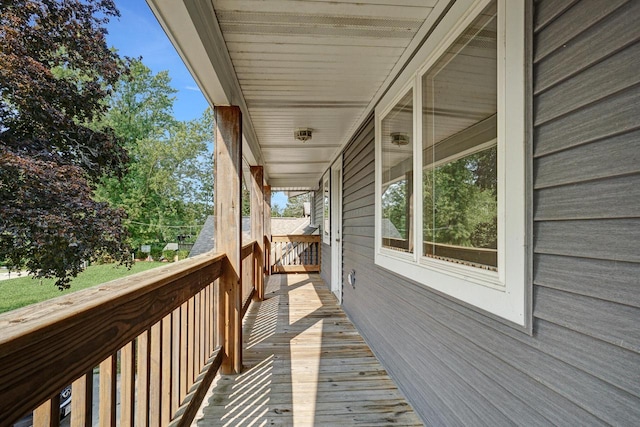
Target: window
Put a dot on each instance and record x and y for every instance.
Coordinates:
(450, 191)
(459, 175)
(397, 175)
(326, 209)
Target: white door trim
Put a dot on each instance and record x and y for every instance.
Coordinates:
(336, 229)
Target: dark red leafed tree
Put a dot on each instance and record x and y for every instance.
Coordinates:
(55, 73)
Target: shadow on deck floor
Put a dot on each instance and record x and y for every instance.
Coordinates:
(304, 364)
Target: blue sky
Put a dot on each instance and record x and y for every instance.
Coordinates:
(137, 33)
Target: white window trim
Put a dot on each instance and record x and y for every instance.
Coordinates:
(502, 293)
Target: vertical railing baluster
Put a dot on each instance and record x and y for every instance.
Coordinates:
(48, 414)
(166, 363)
(142, 380)
(155, 379)
(196, 337)
(127, 385)
(108, 384)
(190, 342)
(175, 360)
(184, 350)
(82, 401)
(201, 322)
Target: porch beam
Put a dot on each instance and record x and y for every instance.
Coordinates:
(257, 225)
(228, 214)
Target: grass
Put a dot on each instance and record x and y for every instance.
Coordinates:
(22, 291)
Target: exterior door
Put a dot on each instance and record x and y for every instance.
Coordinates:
(336, 228)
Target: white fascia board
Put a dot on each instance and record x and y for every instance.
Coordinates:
(204, 53)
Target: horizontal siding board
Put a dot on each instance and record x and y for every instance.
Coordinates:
(550, 375)
(611, 363)
(615, 115)
(361, 180)
(571, 23)
(363, 134)
(460, 399)
(361, 221)
(359, 230)
(610, 76)
(364, 181)
(519, 395)
(610, 404)
(325, 264)
(618, 155)
(366, 211)
(590, 48)
(606, 280)
(364, 192)
(607, 198)
(359, 154)
(548, 10)
(364, 158)
(612, 239)
(616, 323)
(363, 201)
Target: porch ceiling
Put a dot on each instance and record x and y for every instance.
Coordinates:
(319, 64)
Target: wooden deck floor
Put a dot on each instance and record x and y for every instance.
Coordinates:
(304, 364)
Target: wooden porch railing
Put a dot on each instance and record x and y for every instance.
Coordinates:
(161, 332)
(296, 253)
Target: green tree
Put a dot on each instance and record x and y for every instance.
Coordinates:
(168, 186)
(460, 201)
(295, 206)
(276, 210)
(55, 75)
(394, 206)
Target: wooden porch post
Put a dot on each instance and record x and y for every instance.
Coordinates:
(228, 214)
(267, 228)
(257, 225)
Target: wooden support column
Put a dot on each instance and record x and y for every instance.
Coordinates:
(257, 226)
(228, 214)
(267, 228)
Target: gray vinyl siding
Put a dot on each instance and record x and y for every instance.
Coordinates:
(581, 364)
(325, 266)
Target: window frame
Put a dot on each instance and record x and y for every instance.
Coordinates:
(502, 293)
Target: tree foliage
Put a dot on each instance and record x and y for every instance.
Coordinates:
(167, 189)
(295, 206)
(56, 73)
(460, 202)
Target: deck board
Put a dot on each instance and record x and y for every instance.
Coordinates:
(304, 364)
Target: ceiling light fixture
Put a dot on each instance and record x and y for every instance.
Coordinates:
(303, 134)
(399, 138)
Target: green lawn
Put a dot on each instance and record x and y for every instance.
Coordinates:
(16, 293)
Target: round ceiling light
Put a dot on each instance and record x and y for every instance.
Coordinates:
(303, 134)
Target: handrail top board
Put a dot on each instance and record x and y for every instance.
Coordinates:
(25, 320)
(295, 238)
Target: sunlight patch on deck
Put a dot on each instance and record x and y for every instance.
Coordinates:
(304, 364)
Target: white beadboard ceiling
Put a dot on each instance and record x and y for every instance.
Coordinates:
(315, 64)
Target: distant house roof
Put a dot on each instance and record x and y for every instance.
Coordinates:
(206, 239)
(281, 226)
